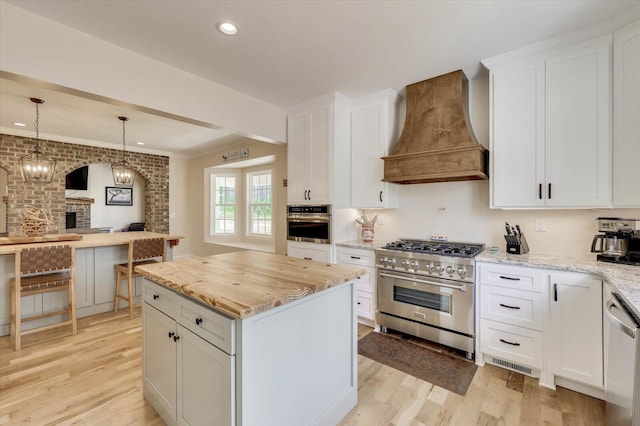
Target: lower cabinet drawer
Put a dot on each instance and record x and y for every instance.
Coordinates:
(514, 307)
(365, 305)
(516, 344)
(211, 326)
(159, 297)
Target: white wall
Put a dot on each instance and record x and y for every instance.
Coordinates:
(195, 200)
(37, 47)
(102, 215)
(178, 207)
(460, 210)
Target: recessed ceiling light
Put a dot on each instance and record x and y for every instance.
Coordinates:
(140, 143)
(19, 124)
(227, 28)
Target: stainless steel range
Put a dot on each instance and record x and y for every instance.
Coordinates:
(426, 289)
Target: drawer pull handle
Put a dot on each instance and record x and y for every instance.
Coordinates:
(509, 278)
(355, 257)
(198, 321)
(509, 307)
(171, 334)
(176, 338)
(509, 343)
(308, 258)
(359, 303)
(156, 297)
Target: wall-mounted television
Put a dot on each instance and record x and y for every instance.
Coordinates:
(77, 179)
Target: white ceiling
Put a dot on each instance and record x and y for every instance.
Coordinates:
(290, 51)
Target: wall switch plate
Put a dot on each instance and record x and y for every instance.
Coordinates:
(540, 225)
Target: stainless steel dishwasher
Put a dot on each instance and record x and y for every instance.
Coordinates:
(622, 372)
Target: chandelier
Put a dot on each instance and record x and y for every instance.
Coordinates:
(123, 172)
(35, 166)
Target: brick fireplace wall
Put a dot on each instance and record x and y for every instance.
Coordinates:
(153, 168)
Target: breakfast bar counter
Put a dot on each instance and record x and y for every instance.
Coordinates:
(249, 338)
(96, 255)
(86, 240)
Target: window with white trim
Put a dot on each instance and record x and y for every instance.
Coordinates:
(259, 203)
(223, 200)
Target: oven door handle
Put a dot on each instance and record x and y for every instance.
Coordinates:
(462, 287)
(315, 219)
(611, 303)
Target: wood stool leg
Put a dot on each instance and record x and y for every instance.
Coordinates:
(18, 319)
(12, 318)
(115, 299)
(130, 293)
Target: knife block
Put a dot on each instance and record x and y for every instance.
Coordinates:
(516, 244)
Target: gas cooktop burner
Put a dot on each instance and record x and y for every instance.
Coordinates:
(436, 247)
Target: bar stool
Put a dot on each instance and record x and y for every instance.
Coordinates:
(141, 252)
(42, 270)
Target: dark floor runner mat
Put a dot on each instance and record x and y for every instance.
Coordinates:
(445, 371)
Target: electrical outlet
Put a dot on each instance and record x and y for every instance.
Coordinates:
(380, 220)
(540, 225)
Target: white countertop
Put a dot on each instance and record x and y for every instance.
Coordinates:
(626, 278)
(359, 244)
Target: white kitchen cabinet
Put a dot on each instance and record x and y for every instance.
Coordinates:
(309, 251)
(372, 133)
(188, 379)
(626, 116)
(159, 359)
(366, 290)
(544, 323)
(550, 128)
(575, 310)
(318, 142)
(512, 308)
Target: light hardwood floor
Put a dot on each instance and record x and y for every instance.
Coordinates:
(95, 378)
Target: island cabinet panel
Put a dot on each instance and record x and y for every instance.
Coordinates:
(159, 359)
(299, 363)
(186, 377)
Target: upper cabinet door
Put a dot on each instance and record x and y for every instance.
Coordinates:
(372, 124)
(517, 149)
(578, 130)
(551, 128)
(626, 117)
(296, 153)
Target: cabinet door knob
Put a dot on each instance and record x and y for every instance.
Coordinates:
(305, 194)
(380, 196)
(309, 195)
(198, 321)
(176, 338)
(171, 334)
(549, 192)
(540, 191)
(156, 297)
(555, 292)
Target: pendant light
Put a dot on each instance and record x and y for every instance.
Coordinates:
(37, 167)
(123, 173)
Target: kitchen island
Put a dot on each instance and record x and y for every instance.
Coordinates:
(95, 276)
(250, 338)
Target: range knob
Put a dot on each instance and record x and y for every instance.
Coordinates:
(429, 268)
(462, 272)
(439, 269)
(415, 265)
(450, 270)
(392, 262)
(383, 261)
(406, 263)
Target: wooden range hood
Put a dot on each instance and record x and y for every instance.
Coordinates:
(437, 142)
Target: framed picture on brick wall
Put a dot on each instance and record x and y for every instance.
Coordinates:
(115, 196)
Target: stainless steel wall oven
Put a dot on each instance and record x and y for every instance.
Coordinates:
(309, 223)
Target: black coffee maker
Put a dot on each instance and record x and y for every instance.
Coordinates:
(620, 242)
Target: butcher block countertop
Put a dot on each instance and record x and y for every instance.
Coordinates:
(92, 240)
(245, 283)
